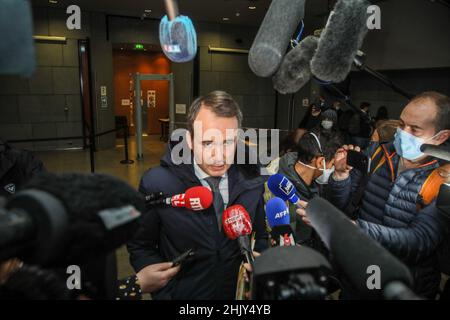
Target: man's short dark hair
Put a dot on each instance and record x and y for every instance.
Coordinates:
(442, 120)
(220, 103)
(307, 147)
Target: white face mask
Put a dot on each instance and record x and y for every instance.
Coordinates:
(325, 176)
(327, 124)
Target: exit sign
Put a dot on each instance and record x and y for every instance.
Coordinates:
(139, 46)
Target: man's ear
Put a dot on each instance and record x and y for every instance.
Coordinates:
(319, 162)
(189, 140)
(443, 136)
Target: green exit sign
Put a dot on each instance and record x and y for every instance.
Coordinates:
(139, 46)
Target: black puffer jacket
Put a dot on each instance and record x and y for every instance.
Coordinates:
(389, 213)
(166, 232)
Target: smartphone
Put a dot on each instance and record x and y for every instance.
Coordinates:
(181, 258)
(358, 161)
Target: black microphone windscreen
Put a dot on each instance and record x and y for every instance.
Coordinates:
(440, 152)
(85, 196)
(295, 70)
(353, 251)
(289, 258)
(274, 35)
(17, 51)
(340, 40)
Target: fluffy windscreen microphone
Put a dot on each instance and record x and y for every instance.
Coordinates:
(295, 70)
(354, 252)
(102, 213)
(17, 51)
(340, 40)
(274, 36)
(34, 283)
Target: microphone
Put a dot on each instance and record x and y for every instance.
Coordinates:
(65, 219)
(177, 35)
(237, 225)
(439, 152)
(278, 217)
(354, 251)
(295, 70)
(17, 50)
(153, 196)
(282, 188)
(340, 40)
(274, 36)
(195, 198)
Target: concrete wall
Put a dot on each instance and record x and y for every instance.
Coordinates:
(365, 88)
(230, 72)
(49, 103)
(413, 35)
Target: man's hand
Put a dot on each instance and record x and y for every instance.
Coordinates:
(302, 212)
(341, 168)
(248, 267)
(156, 276)
(7, 267)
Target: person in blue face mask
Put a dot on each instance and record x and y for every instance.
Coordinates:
(394, 207)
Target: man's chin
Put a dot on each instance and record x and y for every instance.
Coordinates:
(217, 171)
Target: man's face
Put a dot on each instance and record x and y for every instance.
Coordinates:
(337, 105)
(214, 142)
(418, 118)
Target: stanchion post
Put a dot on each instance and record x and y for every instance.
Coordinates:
(125, 141)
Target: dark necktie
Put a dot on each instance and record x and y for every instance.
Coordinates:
(218, 200)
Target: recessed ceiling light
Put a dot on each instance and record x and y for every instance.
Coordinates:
(225, 19)
(53, 1)
(237, 14)
(252, 7)
(148, 11)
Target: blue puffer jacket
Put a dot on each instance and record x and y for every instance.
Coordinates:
(390, 214)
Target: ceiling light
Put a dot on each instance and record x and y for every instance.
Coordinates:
(53, 1)
(225, 19)
(237, 14)
(252, 7)
(148, 11)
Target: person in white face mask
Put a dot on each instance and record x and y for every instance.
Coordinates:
(329, 119)
(309, 169)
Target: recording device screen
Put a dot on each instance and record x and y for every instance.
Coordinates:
(358, 161)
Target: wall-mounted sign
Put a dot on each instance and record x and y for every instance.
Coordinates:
(126, 102)
(180, 108)
(151, 99)
(104, 102)
(305, 102)
(103, 90)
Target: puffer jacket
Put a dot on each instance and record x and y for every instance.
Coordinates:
(391, 213)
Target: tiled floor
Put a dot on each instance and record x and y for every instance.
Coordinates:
(108, 162)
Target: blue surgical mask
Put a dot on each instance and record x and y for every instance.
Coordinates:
(408, 145)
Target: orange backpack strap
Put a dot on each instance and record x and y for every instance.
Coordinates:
(430, 188)
(385, 157)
